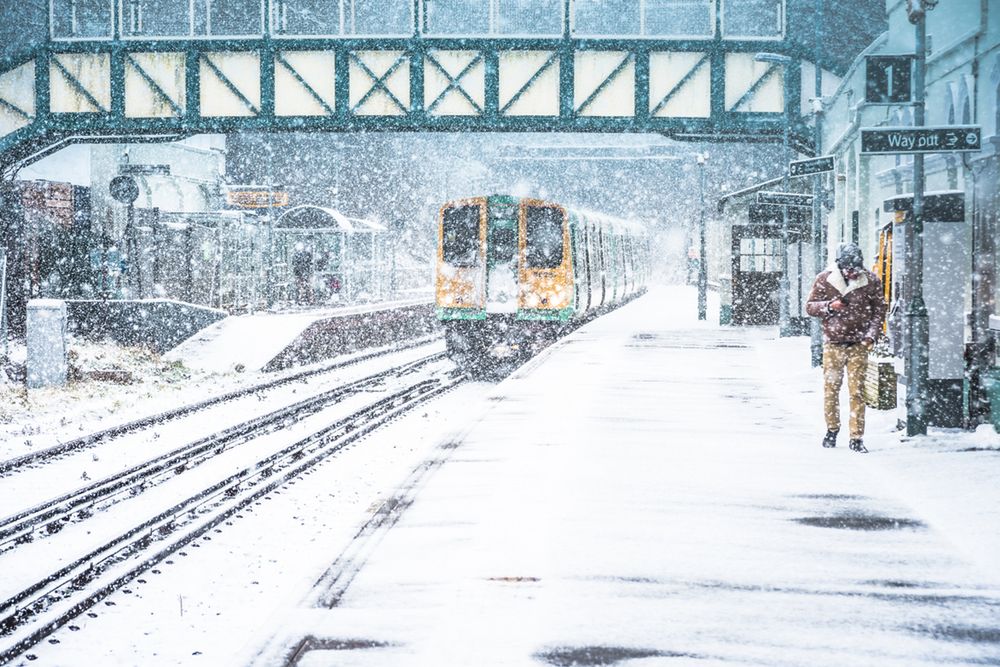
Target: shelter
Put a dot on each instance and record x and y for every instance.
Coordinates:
(324, 256)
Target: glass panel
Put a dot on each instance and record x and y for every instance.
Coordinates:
(606, 17)
(81, 18)
(543, 237)
(307, 17)
(460, 235)
(530, 17)
(156, 18)
(233, 17)
(666, 18)
(752, 18)
(380, 17)
(458, 17)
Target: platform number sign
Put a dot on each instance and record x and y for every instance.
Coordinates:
(888, 79)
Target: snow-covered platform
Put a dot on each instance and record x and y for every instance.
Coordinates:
(651, 490)
(273, 340)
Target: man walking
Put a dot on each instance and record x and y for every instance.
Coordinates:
(848, 299)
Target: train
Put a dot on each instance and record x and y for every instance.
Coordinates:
(515, 273)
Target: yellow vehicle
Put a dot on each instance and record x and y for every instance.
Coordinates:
(513, 273)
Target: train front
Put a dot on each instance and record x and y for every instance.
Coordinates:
(504, 276)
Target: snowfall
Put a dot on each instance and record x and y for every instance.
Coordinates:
(649, 490)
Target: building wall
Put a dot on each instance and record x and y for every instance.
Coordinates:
(962, 87)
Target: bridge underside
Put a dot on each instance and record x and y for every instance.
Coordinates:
(134, 91)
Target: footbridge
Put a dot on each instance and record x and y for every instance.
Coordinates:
(132, 70)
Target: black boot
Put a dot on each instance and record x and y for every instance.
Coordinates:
(830, 439)
(858, 446)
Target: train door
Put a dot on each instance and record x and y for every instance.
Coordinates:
(883, 269)
(756, 273)
(501, 265)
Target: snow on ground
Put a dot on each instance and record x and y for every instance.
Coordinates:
(650, 490)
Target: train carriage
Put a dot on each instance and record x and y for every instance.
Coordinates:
(514, 273)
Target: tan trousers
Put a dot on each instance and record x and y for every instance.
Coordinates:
(835, 359)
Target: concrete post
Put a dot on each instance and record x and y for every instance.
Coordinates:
(47, 362)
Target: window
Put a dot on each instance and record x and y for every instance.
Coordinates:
(543, 237)
(607, 17)
(457, 17)
(760, 255)
(378, 17)
(529, 17)
(306, 17)
(342, 17)
(996, 110)
(753, 18)
(493, 17)
(460, 235)
(679, 18)
(80, 19)
(229, 17)
(174, 18)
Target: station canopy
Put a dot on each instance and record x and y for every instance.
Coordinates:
(319, 218)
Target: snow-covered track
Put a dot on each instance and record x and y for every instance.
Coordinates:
(42, 456)
(51, 516)
(40, 609)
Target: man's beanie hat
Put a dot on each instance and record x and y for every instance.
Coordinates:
(849, 256)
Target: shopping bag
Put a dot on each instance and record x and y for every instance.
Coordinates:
(880, 384)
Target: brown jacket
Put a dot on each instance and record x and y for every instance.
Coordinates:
(865, 308)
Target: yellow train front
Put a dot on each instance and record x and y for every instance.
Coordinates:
(514, 273)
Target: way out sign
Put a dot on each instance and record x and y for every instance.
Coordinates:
(946, 139)
(816, 165)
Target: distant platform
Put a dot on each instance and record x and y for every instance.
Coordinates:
(270, 341)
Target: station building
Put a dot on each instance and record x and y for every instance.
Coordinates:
(871, 194)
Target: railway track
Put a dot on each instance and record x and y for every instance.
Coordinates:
(77, 444)
(51, 516)
(52, 600)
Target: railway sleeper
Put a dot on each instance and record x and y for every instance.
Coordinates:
(85, 577)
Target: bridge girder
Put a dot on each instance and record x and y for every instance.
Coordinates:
(124, 89)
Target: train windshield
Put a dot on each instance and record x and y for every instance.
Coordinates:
(543, 237)
(460, 235)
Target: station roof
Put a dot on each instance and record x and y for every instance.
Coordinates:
(309, 216)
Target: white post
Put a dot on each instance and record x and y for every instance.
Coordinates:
(46, 338)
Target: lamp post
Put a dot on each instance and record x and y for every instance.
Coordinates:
(784, 323)
(701, 159)
(917, 364)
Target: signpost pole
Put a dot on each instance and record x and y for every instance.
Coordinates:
(702, 263)
(784, 327)
(917, 365)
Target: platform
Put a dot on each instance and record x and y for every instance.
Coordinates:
(651, 490)
(274, 340)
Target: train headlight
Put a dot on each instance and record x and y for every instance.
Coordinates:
(531, 300)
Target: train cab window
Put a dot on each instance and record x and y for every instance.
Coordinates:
(544, 236)
(460, 235)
